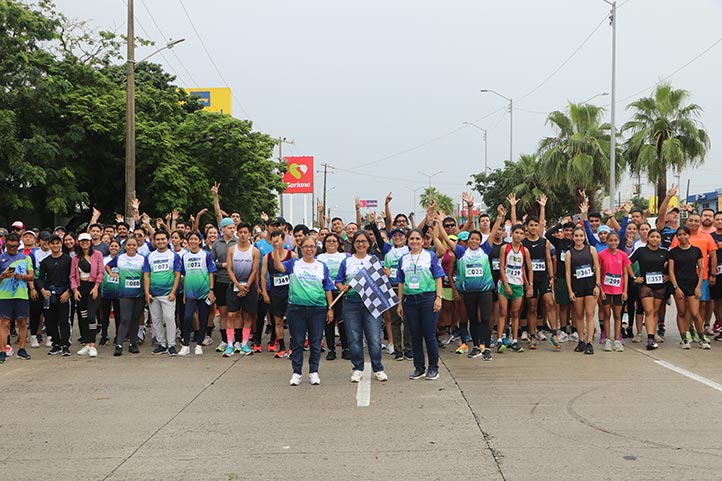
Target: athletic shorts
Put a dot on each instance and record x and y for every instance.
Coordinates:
(219, 290)
(517, 292)
(279, 305)
(715, 291)
(613, 299)
(247, 303)
(688, 290)
(561, 293)
(14, 309)
(705, 291)
(584, 291)
(447, 294)
(542, 286)
(658, 293)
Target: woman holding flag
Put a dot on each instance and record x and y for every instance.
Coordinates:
(358, 319)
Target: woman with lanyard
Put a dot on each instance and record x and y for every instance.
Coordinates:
(582, 275)
(615, 272)
(86, 276)
(392, 254)
(309, 295)
(685, 266)
(332, 257)
(129, 275)
(419, 276)
(476, 284)
(651, 281)
(110, 294)
(198, 267)
(358, 320)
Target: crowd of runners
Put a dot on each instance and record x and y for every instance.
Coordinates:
(478, 288)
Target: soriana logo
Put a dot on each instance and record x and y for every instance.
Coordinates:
(299, 177)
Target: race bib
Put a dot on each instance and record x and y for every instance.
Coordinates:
(582, 272)
(113, 280)
(496, 264)
(414, 282)
(563, 256)
(514, 272)
(193, 265)
(612, 280)
(654, 278)
(235, 287)
(281, 281)
(538, 265)
(472, 271)
(132, 283)
(161, 267)
(392, 273)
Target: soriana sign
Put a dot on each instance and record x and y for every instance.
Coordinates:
(299, 177)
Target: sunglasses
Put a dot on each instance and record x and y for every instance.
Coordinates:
(447, 226)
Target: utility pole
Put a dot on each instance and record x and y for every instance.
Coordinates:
(325, 172)
(613, 127)
(130, 118)
(280, 142)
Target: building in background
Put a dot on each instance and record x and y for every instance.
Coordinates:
(213, 99)
(707, 200)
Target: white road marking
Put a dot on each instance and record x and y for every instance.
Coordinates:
(691, 375)
(363, 392)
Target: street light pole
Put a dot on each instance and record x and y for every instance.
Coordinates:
(414, 191)
(431, 176)
(486, 144)
(280, 142)
(511, 120)
(613, 128)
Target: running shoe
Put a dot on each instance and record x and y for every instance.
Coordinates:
(84, 351)
(661, 331)
(432, 374)
(23, 354)
(417, 374)
(486, 355)
(717, 326)
(708, 331)
(237, 347)
(207, 341)
(272, 347)
(295, 379)
(563, 337)
(390, 348)
(331, 356)
(399, 356)
(55, 350)
(574, 337)
(589, 349)
(247, 351)
(34, 343)
(651, 345)
(172, 351)
(540, 336)
(158, 350)
(533, 343)
(500, 347)
(346, 354)
(305, 345)
(313, 379)
(618, 347)
(221, 347)
(516, 347)
(185, 350)
(356, 376)
(257, 348)
(608, 345)
(462, 349)
(381, 376)
(718, 337)
(228, 352)
(66, 351)
(408, 355)
(685, 344)
(133, 349)
(637, 338)
(3, 357)
(659, 338)
(476, 352)
(281, 354)
(49, 342)
(93, 352)
(704, 344)
(555, 341)
(581, 346)
(524, 336)
(9, 350)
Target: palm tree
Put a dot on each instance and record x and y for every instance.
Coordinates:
(529, 168)
(665, 134)
(443, 202)
(578, 156)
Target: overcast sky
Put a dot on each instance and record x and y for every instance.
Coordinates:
(357, 82)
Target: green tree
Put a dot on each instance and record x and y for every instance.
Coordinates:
(443, 202)
(578, 155)
(665, 134)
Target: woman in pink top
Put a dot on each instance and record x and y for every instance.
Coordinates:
(614, 267)
(86, 276)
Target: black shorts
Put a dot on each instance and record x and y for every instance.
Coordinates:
(247, 303)
(219, 290)
(279, 305)
(14, 309)
(688, 290)
(583, 287)
(613, 299)
(715, 291)
(656, 293)
(542, 286)
(584, 292)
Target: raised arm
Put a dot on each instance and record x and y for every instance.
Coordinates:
(93, 219)
(662, 211)
(387, 206)
(512, 202)
(321, 217)
(217, 203)
(542, 201)
(469, 200)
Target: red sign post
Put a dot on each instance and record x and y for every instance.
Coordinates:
(299, 177)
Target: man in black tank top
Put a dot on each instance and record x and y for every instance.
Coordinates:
(562, 245)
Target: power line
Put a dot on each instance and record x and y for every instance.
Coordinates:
(503, 116)
(210, 57)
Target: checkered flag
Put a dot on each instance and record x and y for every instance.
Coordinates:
(374, 287)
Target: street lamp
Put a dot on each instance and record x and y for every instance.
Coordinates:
(511, 120)
(486, 145)
(613, 127)
(414, 191)
(130, 111)
(430, 176)
(595, 96)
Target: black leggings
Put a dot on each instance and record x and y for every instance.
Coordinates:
(331, 328)
(106, 304)
(36, 310)
(478, 305)
(634, 303)
(87, 312)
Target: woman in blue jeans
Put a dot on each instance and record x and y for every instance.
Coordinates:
(357, 319)
(419, 276)
(309, 295)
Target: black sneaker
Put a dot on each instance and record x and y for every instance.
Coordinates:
(486, 355)
(408, 355)
(417, 374)
(516, 347)
(331, 356)
(54, 351)
(589, 349)
(133, 349)
(3, 357)
(23, 354)
(580, 347)
(651, 345)
(118, 350)
(476, 352)
(159, 350)
(398, 356)
(718, 337)
(346, 354)
(432, 374)
(103, 340)
(66, 351)
(661, 331)
(172, 351)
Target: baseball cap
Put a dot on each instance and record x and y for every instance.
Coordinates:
(30, 232)
(604, 228)
(226, 222)
(55, 237)
(84, 236)
(396, 230)
(44, 235)
(463, 235)
(3, 232)
(673, 209)
(60, 227)
(453, 237)
(18, 225)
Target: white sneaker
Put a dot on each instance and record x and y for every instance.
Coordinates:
(381, 376)
(618, 346)
(92, 352)
(608, 345)
(356, 376)
(48, 342)
(199, 350)
(637, 337)
(207, 341)
(390, 348)
(313, 378)
(524, 336)
(574, 337)
(185, 350)
(625, 320)
(295, 379)
(540, 336)
(563, 337)
(658, 338)
(705, 344)
(222, 347)
(84, 351)
(34, 342)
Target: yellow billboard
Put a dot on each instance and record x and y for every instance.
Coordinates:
(213, 99)
(673, 202)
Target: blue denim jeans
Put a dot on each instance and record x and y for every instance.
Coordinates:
(421, 319)
(303, 319)
(359, 322)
